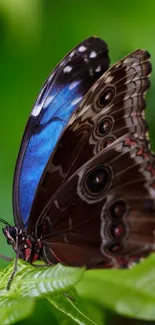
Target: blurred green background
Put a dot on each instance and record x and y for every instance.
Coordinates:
(34, 36)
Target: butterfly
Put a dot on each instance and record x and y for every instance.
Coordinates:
(84, 182)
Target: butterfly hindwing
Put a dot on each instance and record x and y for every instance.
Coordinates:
(114, 106)
(61, 94)
(105, 211)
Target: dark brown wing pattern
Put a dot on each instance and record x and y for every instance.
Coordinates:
(105, 211)
(96, 196)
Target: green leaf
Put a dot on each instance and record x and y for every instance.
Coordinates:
(13, 310)
(39, 281)
(70, 304)
(42, 314)
(94, 311)
(127, 292)
(32, 282)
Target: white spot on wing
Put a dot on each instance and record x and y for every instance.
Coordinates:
(67, 69)
(48, 101)
(93, 54)
(74, 84)
(98, 69)
(128, 60)
(36, 110)
(86, 60)
(82, 48)
(76, 100)
(109, 79)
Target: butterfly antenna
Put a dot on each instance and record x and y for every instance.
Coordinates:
(6, 258)
(5, 222)
(10, 259)
(15, 266)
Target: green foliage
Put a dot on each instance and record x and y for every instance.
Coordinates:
(128, 292)
(69, 292)
(31, 282)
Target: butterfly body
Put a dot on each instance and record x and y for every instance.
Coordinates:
(84, 186)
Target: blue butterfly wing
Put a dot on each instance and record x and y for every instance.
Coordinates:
(59, 97)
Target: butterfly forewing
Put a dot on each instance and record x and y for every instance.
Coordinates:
(61, 94)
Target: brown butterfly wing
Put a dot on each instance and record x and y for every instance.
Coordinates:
(96, 204)
(104, 214)
(113, 107)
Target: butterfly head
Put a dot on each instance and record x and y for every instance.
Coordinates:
(11, 234)
(28, 246)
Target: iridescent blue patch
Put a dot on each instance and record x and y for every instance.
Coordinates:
(60, 96)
